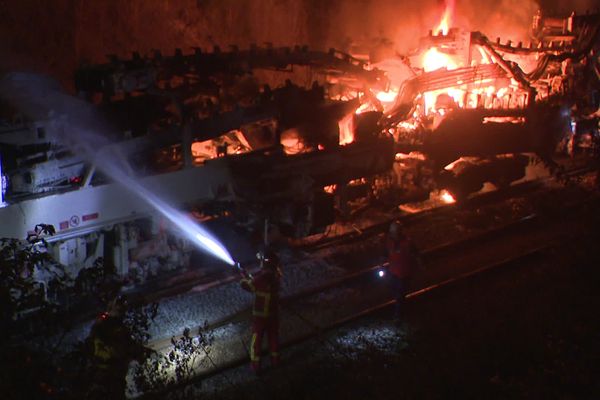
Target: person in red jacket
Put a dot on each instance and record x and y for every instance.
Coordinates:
(403, 259)
(265, 311)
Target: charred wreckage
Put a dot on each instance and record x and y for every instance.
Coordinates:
(290, 135)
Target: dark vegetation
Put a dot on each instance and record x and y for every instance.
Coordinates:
(35, 360)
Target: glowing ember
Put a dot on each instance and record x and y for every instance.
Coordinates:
(291, 141)
(363, 107)
(453, 164)
(329, 189)
(446, 197)
(204, 150)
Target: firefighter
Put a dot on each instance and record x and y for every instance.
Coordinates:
(112, 348)
(265, 314)
(403, 259)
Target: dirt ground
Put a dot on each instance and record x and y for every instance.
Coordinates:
(531, 331)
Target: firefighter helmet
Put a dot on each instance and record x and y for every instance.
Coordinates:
(118, 307)
(268, 258)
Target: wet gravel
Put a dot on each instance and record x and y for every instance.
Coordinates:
(302, 270)
(438, 332)
(528, 332)
(194, 308)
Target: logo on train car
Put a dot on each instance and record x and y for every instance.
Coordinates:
(74, 221)
(89, 217)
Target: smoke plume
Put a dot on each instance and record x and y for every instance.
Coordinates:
(55, 36)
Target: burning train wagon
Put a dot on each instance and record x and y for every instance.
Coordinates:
(471, 110)
(287, 135)
(193, 132)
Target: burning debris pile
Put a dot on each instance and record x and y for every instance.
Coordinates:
(461, 97)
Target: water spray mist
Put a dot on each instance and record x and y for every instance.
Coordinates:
(77, 125)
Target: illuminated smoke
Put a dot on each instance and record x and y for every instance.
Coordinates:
(157, 24)
(75, 124)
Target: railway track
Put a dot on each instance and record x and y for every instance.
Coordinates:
(361, 273)
(471, 202)
(226, 276)
(206, 282)
(548, 232)
(358, 235)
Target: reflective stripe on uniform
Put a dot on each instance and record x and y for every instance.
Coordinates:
(102, 351)
(250, 284)
(253, 356)
(267, 300)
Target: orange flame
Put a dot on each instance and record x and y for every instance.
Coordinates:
(447, 197)
(435, 59)
(446, 19)
(346, 126)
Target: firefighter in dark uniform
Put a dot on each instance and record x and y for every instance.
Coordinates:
(403, 259)
(265, 311)
(113, 348)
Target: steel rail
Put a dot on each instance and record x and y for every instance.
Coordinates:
(426, 254)
(479, 238)
(141, 297)
(358, 274)
(319, 330)
(207, 282)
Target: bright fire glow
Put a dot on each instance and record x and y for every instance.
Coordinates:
(444, 24)
(385, 101)
(292, 142)
(205, 149)
(329, 189)
(435, 59)
(487, 93)
(346, 126)
(387, 97)
(363, 107)
(430, 98)
(446, 197)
